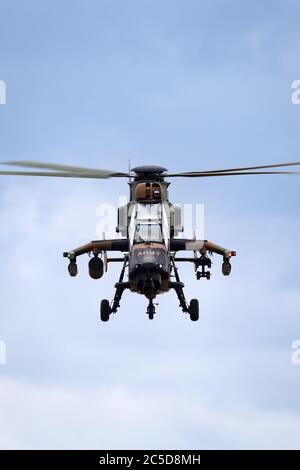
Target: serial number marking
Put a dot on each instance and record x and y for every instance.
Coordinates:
(168, 459)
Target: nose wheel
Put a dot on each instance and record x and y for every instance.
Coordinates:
(151, 310)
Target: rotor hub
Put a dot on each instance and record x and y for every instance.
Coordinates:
(148, 172)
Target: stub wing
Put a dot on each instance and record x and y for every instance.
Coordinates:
(98, 246)
(200, 245)
(201, 260)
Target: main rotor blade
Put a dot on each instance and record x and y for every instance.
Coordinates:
(231, 173)
(60, 174)
(64, 168)
(277, 165)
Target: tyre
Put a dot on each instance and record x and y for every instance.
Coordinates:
(194, 310)
(104, 310)
(151, 312)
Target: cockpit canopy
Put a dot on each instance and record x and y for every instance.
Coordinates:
(147, 224)
(148, 232)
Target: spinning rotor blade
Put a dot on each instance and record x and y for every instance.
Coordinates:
(61, 174)
(64, 168)
(231, 173)
(68, 171)
(231, 170)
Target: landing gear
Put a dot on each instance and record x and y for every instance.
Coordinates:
(194, 310)
(151, 310)
(105, 310)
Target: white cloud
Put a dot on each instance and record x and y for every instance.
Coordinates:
(37, 416)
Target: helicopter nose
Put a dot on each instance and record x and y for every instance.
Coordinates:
(150, 285)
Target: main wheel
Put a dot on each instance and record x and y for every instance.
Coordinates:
(104, 310)
(194, 310)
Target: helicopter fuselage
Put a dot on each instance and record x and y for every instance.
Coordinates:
(149, 220)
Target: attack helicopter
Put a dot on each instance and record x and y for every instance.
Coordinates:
(148, 227)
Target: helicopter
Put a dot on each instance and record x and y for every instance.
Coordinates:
(148, 227)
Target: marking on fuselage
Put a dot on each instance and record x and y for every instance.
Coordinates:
(148, 253)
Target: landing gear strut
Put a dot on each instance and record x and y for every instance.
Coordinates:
(193, 308)
(105, 308)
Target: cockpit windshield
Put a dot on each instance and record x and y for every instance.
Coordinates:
(147, 224)
(148, 232)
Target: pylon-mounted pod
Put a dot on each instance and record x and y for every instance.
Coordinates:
(96, 267)
(72, 268)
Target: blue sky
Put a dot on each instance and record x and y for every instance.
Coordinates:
(187, 85)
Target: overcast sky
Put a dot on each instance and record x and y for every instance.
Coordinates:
(189, 85)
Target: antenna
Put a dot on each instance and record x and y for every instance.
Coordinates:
(129, 170)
